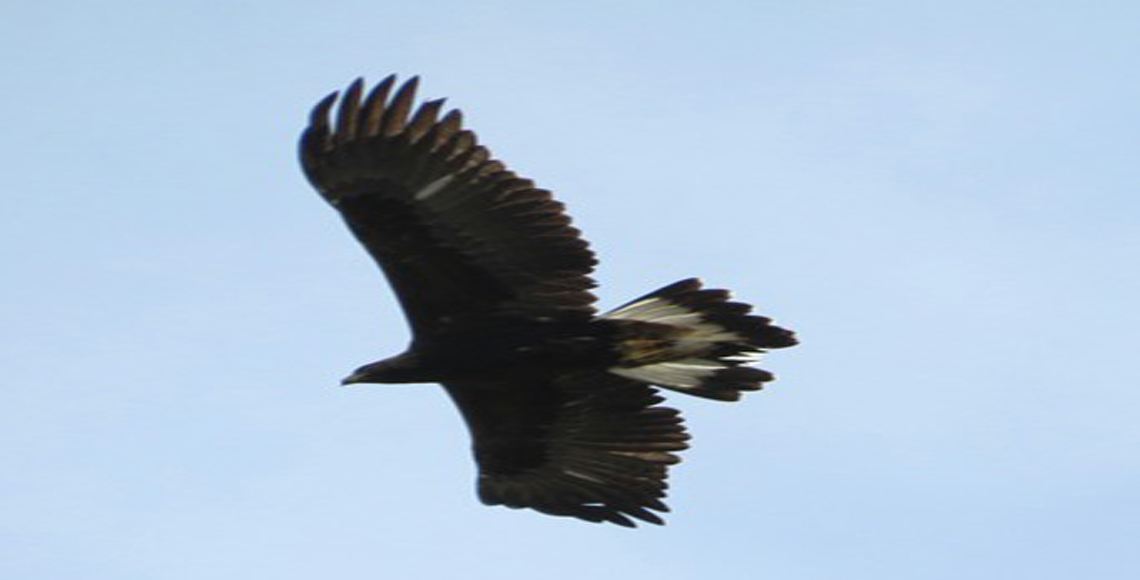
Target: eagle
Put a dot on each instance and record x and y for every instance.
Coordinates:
(562, 403)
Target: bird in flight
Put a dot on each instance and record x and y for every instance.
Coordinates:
(561, 402)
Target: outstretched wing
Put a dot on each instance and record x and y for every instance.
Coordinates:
(588, 445)
(455, 232)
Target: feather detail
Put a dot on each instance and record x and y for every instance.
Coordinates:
(694, 341)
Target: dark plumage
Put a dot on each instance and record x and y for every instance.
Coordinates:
(495, 283)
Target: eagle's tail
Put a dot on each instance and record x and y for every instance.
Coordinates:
(694, 341)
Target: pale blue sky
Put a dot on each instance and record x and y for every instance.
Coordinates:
(941, 197)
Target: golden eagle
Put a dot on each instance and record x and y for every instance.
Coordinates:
(560, 401)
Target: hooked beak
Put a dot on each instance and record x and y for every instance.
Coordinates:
(354, 378)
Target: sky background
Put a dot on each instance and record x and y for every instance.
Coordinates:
(941, 197)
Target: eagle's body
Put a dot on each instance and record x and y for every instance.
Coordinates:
(495, 283)
(501, 347)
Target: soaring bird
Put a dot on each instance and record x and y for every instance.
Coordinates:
(561, 402)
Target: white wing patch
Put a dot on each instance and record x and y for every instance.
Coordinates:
(585, 476)
(433, 187)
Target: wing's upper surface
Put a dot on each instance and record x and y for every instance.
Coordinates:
(589, 445)
(455, 232)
